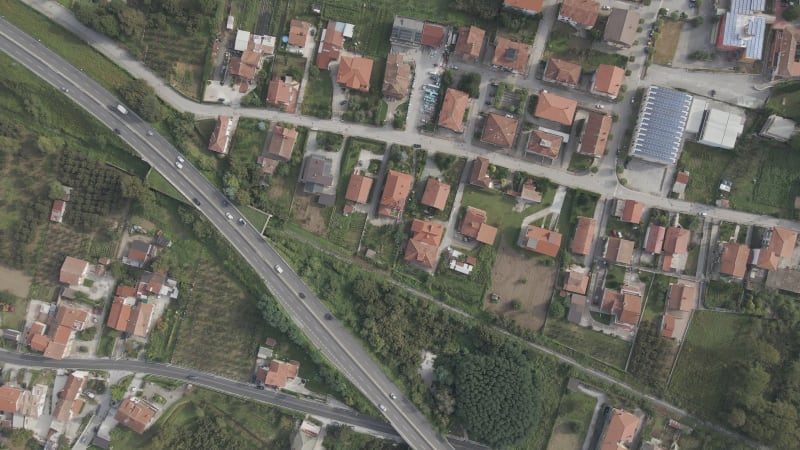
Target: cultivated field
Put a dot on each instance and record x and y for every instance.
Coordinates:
(524, 278)
(14, 281)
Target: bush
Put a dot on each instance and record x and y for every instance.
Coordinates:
(791, 14)
(631, 58)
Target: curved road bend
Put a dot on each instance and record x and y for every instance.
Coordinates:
(604, 182)
(330, 337)
(219, 384)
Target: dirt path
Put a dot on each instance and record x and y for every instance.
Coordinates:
(14, 281)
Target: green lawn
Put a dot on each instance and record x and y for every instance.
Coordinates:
(706, 166)
(565, 45)
(157, 182)
(657, 296)
(574, 416)
(256, 217)
(499, 208)
(610, 350)
(721, 294)
(318, 97)
(784, 100)
(701, 377)
(615, 277)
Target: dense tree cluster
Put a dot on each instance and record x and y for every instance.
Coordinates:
(649, 361)
(207, 432)
(331, 142)
(764, 388)
(95, 188)
(484, 9)
(471, 84)
(345, 438)
(120, 19)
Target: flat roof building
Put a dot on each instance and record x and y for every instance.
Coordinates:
(658, 135)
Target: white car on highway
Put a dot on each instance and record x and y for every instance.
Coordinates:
(229, 216)
(178, 165)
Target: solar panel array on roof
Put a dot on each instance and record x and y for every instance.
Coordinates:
(745, 31)
(659, 130)
(747, 6)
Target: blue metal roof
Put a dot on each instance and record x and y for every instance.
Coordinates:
(662, 120)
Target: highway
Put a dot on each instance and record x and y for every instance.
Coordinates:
(219, 384)
(329, 336)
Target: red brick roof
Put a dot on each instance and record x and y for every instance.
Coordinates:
(526, 5)
(220, 137)
(544, 144)
(358, 188)
(135, 414)
(577, 283)
(584, 236)
(330, 46)
(354, 72)
(734, 259)
(608, 79)
(298, 31)
(66, 398)
(682, 297)
(281, 372)
(782, 242)
(584, 12)
(631, 308)
(470, 42)
(654, 239)
(454, 105)
(283, 93)
(432, 35)
(541, 240)
(119, 314)
(435, 194)
(560, 71)
(667, 325)
(620, 431)
(619, 250)
(57, 211)
(499, 130)
(511, 55)
(141, 316)
(555, 108)
(595, 134)
(282, 143)
(478, 175)
(73, 270)
(423, 247)
(397, 76)
(676, 240)
(632, 211)
(395, 194)
(682, 177)
(9, 399)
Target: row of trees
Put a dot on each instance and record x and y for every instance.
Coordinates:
(649, 361)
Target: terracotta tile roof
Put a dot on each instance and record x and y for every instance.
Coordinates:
(525, 5)
(676, 240)
(72, 318)
(474, 226)
(621, 26)
(395, 194)
(141, 316)
(73, 270)
(564, 72)
(782, 242)
(555, 108)
(734, 259)
(453, 107)
(577, 283)
(397, 77)
(619, 250)
(298, 32)
(544, 144)
(268, 165)
(530, 193)
(281, 372)
(135, 414)
(221, 136)
(358, 188)
(423, 247)
(584, 236)
(767, 260)
(654, 239)
(435, 194)
(583, 12)
(541, 240)
(330, 46)
(9, 399)
(631, 308)
(470, 42)
(632, 213)
(620, 431)
(511, 55)
(66, 398)
(478, 175)
(57, 211)
(682, 177)
(239, 66)
(55, 350)
(119, 315)
(608, 79)
(126, 291)
(610, 298)
(595, 134)
(139, 251)
(682, 297)
(354, 72)
(667, 325)
(283, 92)
(499, 130)
(432, 35)
(39, 342)
(783, 58)
(282, 143)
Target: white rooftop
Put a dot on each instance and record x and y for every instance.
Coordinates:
(695, 119)
(242, 38)
(721, 128)
(778, 128)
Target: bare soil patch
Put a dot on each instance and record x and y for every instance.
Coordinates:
(308, 214)
(521, 277)
(564, 438)
(667, 42)
(187, 79)
(15, 282)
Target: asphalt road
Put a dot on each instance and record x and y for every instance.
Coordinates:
(330, 337)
